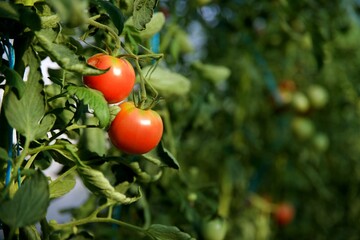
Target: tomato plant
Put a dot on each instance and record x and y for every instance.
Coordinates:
(117, 82)
(135, 130)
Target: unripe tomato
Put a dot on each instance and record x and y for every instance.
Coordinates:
(300, 102)
(117, 83)
(318, 96)
(134, 130)
(214, 229)
(284, 214)
(302, 127)
(320, 142)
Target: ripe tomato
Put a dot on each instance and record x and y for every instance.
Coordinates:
(134, 130)
(284, 214)
(117, 83)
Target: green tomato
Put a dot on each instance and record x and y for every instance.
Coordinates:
(300, 102)
(318, 96)
(302, 127)
(320, 142)
(214, 229)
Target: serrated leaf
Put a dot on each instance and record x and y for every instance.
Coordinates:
(28, 120)
(14, 80)
(65, 57)
(162, 232)
(168, 83)
(29, 203)
(114, 13)
(96, 102)
(61, 186)
(97, 183)
(154, 26)
(143, 12)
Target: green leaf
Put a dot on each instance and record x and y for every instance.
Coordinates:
(93, 139)
(8, 10)
(29, 203)
(28, 3)
(114, 13)
(29, 232)
(63, 153)
(29, 18)
(154, 26)
(162, 156)
(143, 12)
(45, 126)
(166, 157)
(72, 12)
(65, 57)
(97, 183)
(162, 232)
(14, 80)
(3, 154)
(29, 121)
(61, 186)
(214, 73)
(168, 83)
(26, 115)
(96, 102)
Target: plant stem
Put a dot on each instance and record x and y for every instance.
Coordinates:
(91, 21)
(21, 158)
(98, 220)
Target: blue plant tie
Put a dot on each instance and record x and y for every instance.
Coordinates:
(155, 43)
(10, 54)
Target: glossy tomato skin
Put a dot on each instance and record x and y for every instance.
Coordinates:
(117, 83)
(135, 131)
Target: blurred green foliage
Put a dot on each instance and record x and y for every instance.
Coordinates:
(244, 129)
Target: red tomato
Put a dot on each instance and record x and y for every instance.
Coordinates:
(284, 214)
(117, 83)
(134, 130)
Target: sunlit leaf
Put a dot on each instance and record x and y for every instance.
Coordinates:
(154, 26)
(64, 56)
(167, 82)
(143, 12)
(96, 182)
(60, 187)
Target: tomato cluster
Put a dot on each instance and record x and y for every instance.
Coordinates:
(134, 130)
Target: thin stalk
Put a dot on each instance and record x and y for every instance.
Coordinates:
(93, 22)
